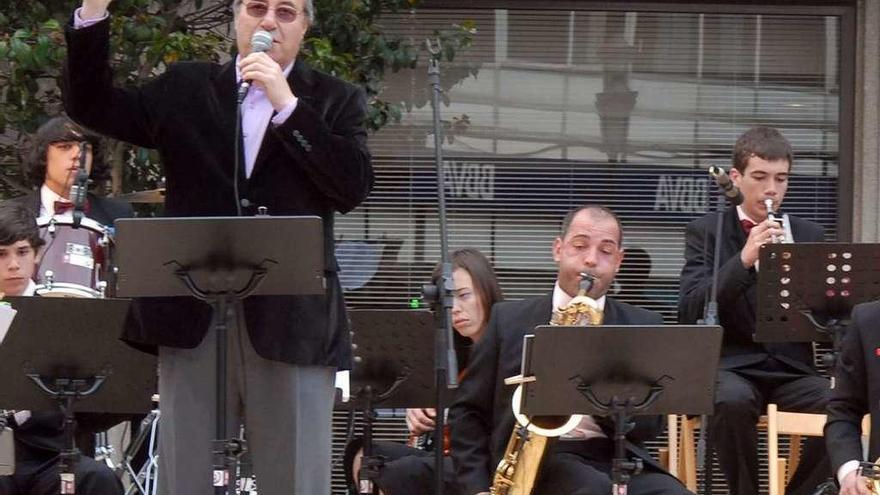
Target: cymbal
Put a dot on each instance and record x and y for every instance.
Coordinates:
(149, 196)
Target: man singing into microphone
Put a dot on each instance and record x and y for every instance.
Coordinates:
(304, 152)
(752, 374)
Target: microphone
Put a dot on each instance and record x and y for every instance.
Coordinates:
(730, 191)
(261, 41)
(80, 187)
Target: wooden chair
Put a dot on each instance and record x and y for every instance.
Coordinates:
(776, 422)
(797, 426)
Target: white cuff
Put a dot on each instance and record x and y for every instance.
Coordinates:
(285, 112)
(79, 22)
(21, 417)
(845, 469)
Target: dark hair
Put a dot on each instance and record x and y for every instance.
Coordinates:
(763, 142)
(600, 212)
(18, 223)
(485, 284)
(483, 275)
(58, 130)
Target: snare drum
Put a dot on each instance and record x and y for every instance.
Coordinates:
(73, 262)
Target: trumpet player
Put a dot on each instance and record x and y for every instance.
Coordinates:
(752, 374)
(481, 416)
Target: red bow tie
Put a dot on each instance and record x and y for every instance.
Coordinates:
(62, 207)
(747, 225)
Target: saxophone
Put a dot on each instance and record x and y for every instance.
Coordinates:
(518, 469)
(871, 472)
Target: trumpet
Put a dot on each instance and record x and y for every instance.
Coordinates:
(784, 221)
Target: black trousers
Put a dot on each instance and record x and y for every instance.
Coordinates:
(586, 470)
(406, 471)
(33, 478)
(741, 396)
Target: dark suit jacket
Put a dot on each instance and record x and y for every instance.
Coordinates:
(481, 418)
(736, 290)
(315, 163)
(102, 210)
(856, 390)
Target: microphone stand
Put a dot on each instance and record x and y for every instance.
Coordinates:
(710, 317)
(80, 187)
(440, 295)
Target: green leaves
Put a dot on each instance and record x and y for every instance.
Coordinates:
(148, 35)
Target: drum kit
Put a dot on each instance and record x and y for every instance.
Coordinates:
(77, 261)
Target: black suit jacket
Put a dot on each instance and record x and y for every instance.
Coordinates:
(315, 163)
(856, 390)
(736, 290)
(102, 210)
(481, 418)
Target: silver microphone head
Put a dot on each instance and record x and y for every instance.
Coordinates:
(261, 41)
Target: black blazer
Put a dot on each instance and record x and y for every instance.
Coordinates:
(736, 290)
(102, 210)
(481, 418)
(315, 163)
(856, 389)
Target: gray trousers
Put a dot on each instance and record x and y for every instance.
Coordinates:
(286, 410)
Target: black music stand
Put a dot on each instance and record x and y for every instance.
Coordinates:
(66, 353)
(220, 260)
(393, 368)
(621, 371)
(806, 291)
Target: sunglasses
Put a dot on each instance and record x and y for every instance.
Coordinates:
(282, 14)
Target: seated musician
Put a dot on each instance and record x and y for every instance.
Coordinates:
(752, 374)
(50, 170)
(855, 393)
(407, 469)
(481, 417)
(39, 435)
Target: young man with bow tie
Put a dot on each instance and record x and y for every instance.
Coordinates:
(752, 374)
(50, 169)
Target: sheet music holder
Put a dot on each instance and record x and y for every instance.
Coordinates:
(74, 338)
(149, 249)
(393, 368)
(220, 260)
(393, 352)
(65, 353)
(807, 290)
(620, 371)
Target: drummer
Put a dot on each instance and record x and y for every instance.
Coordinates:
(39, 435)
(50, 169)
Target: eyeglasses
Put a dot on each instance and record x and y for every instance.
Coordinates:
(283, 13)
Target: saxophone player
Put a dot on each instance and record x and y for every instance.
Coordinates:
(481, 415)
(752, 374)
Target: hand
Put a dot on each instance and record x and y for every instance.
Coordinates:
(268, 75)
(854, 484)
(420, 420)
(759, 235)
(93, 9)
